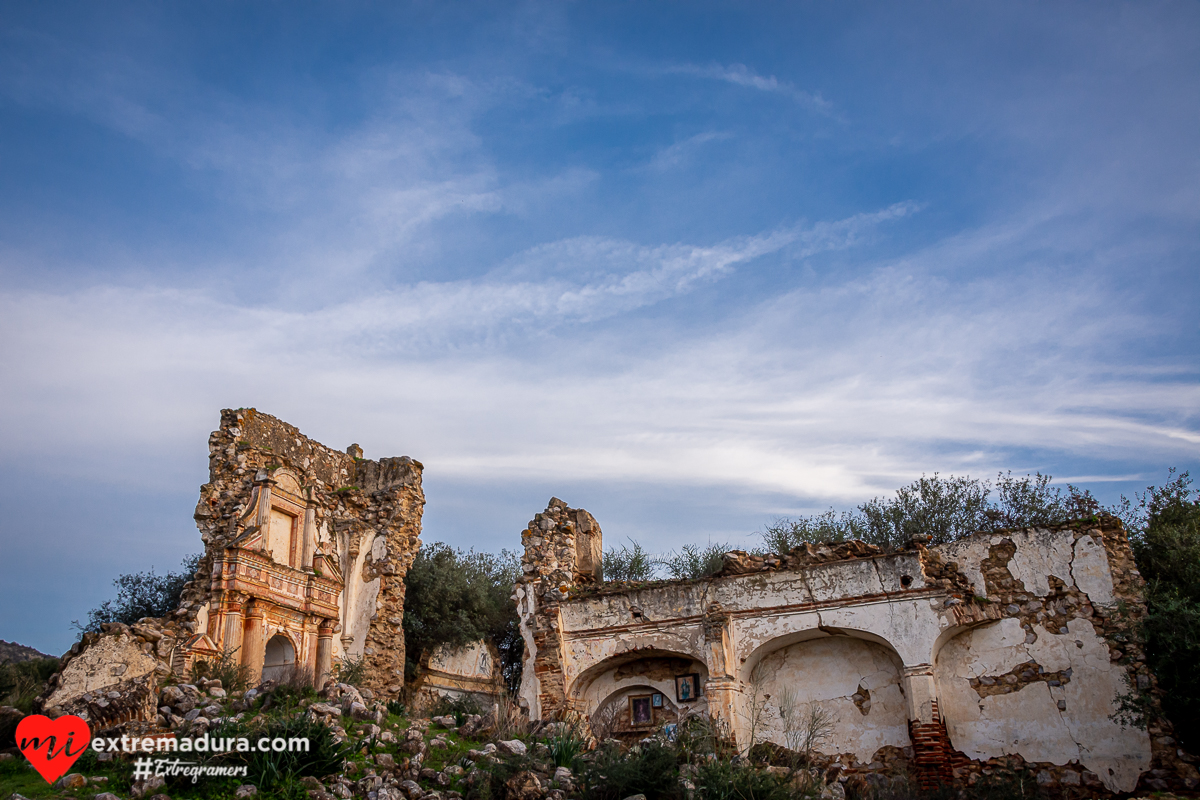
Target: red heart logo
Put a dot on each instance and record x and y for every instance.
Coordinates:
(52, 745)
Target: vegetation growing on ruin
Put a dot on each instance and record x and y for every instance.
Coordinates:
(943, 508)
(454, 598)
(142, 594)
(629, 563)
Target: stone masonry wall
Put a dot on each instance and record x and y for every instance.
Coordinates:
(111, 677)
(1030, 638)
(562, 550)
(358, 499)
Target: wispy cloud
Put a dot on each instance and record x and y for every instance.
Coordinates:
(681, 151)
(741, 75)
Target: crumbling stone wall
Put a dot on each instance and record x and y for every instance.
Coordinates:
(111, 677)
(1009, 649)
(470, 671)
(362, 522)
(562, 550)
(331, 585)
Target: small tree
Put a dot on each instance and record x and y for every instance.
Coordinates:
(1164, 528)
(454, 598)
(943, 508)
(142, 594)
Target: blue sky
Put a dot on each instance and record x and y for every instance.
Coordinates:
(689, 266)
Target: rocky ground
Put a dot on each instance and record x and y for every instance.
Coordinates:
(361, 749)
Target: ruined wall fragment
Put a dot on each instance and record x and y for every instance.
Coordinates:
(303, 545)
(1001, 650)
(562, 551)
(360, 530)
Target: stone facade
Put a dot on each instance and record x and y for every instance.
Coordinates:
(1008, 649)
(306, 549)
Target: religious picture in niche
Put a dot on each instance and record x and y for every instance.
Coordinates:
(656, 700)
(639, 711)
(687, 687)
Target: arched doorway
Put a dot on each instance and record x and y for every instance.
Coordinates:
(279, 659)
(631, 694)
(853, 686)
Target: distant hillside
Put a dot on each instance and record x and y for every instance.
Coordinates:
(13, 652)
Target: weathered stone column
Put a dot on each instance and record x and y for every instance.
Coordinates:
(308, 538)
(324, 653)
(263, 516)
(722, 690)
(254, 641)
(231, 630)
(921, 693)
(931, 743)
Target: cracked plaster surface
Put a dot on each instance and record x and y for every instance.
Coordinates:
(830, 671)
(1029, 721)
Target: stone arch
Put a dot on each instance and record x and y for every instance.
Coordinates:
(751, 662)
(602, 692)
(1002, 691)
(854, 679)
(279, 657)
(289, 481)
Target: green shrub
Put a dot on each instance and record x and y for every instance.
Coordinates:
(349, 670)
(269, 770)
(651, 769)
(454, 598)
(628, 563)
(725, 779)
(693, 561)
(1165, 536)
(458, 707)
(566, 744)
(22, 681)
(945, 509)
(142, 594)
(227, 668)
(20, 684)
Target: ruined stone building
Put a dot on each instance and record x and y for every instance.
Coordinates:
(306, 549)
(943, 657)
(948, 659)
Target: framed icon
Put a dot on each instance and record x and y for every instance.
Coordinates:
(656, 700)
(687, 687)
(640, 713)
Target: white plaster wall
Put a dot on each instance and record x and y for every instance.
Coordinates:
(361, 596)
(1090, 569)
(821, 583)
(469, 661)
(910, 626)
(530, 687)
(279, 536)
(1040, 554)
(202, 619)
(1029, 721)
(969, 554)
(829, 671)
(582, 654)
